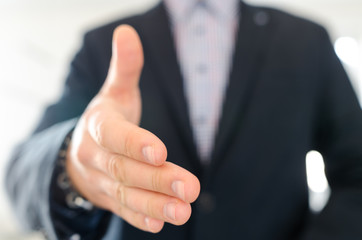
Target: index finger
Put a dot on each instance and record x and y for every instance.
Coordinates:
(117, 135)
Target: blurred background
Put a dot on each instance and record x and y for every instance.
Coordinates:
(38, 38)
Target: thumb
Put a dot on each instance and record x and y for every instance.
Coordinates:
(126, 63)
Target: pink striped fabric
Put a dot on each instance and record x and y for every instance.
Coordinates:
(204, 33)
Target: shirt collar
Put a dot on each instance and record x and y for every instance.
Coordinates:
(179, 9)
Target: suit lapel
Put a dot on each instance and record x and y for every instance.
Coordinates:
(158, 40)
(251, 45)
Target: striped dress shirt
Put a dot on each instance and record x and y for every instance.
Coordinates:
(204, 33)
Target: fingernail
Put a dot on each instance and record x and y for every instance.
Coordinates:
(153, 225)
(169, 210)
(178, 188)
(148, 153)
(150, 224)
(147, 222)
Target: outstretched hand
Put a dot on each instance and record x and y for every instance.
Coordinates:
(119, 166)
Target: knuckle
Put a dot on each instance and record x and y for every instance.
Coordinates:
(128, 143)
(150, 208)
(156, 180)
(116, 169)
(112, 167)
(120, 193)
(98, 132)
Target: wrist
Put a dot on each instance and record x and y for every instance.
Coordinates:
(73, 197)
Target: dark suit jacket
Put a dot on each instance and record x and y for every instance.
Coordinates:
(287, 94)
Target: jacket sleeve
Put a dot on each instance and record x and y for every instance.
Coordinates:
(339, 140)
(29, 174)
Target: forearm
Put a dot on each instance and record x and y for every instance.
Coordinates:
(29, 176)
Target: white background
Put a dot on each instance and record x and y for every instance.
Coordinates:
(39, 37)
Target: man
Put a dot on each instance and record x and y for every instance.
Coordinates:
(240, 129)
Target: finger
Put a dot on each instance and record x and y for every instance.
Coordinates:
(168, 179)
(154, 205)
(139, 220)
(105, 193)
(103, 196)
(119, 136)
(126, 63)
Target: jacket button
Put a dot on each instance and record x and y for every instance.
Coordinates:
(206, 202)
(261, 18)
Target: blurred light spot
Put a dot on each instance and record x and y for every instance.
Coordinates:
(317, 181)
(347, 50)
(319, 190)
